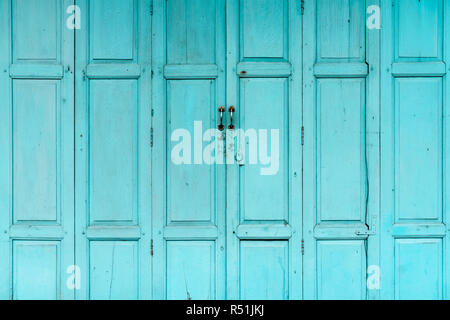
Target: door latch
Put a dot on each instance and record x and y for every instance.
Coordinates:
(365, 233)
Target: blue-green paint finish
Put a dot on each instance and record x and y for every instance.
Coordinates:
(267, 95)
(37, 156)
(189, 278)
(414, 149)
(341, 149)
(113, 150)
(188, 212)
(114, 270)
(86, 175)
(264, 270)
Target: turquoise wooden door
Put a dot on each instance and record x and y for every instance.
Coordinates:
(221, 228)
(415, 150)
(36, 150)
(188, 194)
(341, 149)
(330, 184)
(113, 159)
(264, 198)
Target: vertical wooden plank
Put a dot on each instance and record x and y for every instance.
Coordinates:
(309, 163)
(145, 153)
(67, 158)
(296, 108)
(373, 150)
(387, 154)
(5, 147)
(81, 149)
(233, 250)
(221, 245)
(158, 151)
(446, 153)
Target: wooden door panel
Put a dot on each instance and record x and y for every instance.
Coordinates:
(414, 152)
(341, 150)
(188, 191)
(264, 194)
(113, 150)
(37, 151)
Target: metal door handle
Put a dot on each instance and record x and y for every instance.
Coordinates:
(231, 110)
(221, 126)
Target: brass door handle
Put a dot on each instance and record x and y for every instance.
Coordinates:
(221, 127)
(231, 110)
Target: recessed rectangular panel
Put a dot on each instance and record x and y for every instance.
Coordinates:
(35, 150)
(191, 271)
(341, 149)
(191, 31)
(36, 29)
(264, 270)
(190, 184)
(113, 150)
(113, 271)
(419, 31)
(37, 270)
(418, 154)
(341, 270)
(113, 29)
(264, 28)
(264, 120)
(341, 29)
(418, 269)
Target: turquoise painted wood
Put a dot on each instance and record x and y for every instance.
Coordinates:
(113, 158)
(341, 149)
(264, 211)
(37, 150)
(415, 151)
(188, 212)
(108, 163)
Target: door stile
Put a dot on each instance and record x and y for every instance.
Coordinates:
(232, 198)
(81, 145)
(295, 125)
(158, 149)
(308, 163)
(5, 149)
(446, 164)
(68, 154)
(373, 157)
